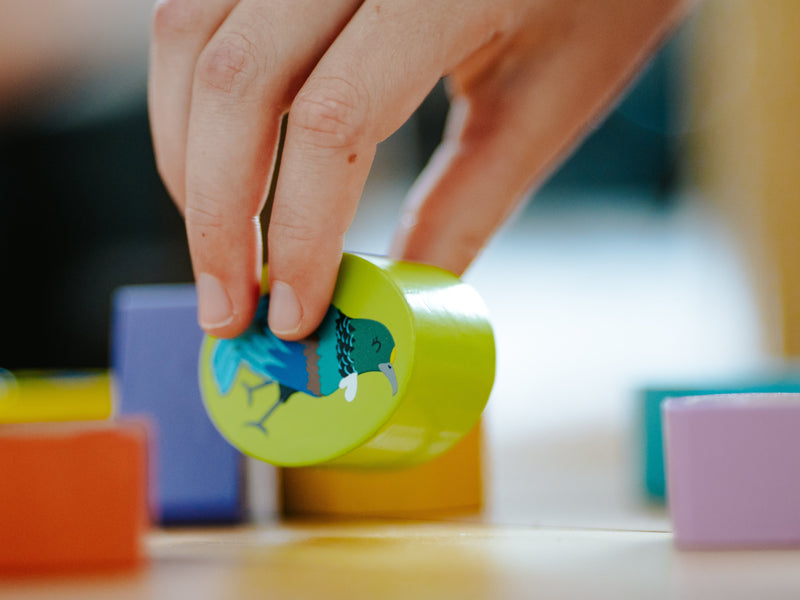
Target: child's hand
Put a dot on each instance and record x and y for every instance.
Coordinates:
(528, 78)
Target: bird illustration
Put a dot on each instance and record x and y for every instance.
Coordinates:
(330, 359)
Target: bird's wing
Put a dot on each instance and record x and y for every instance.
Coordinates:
(350, 386)
(329, 350)
(264, 354)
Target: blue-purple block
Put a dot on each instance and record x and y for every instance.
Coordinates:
(198, 477)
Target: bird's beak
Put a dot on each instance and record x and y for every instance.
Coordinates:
(388, 370)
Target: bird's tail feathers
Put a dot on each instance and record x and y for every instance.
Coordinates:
(225, 362)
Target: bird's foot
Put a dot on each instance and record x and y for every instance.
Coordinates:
(251, 389)
(258, 425)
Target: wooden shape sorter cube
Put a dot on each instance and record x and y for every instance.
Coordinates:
(732, 467)
(74, 496)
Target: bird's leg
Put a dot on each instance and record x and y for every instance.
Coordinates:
(253, 388)
(283, 396)
(260, 423)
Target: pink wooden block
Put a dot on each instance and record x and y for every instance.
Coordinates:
(733, 469)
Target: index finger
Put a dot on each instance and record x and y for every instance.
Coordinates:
(367, 84)
(243, 82)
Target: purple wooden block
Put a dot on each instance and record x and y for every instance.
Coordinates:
(733, 469)
(198, 476)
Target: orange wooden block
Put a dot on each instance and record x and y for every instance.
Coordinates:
(72, 495)
(449, 484)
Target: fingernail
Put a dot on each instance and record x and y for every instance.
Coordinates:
(284, 309)
(215, 308)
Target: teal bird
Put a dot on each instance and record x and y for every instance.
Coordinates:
(331, 358)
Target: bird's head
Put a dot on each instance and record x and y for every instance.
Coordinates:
(373, 349)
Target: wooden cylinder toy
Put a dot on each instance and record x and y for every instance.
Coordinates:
(397, 373)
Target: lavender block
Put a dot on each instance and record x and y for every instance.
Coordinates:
(733, 469)
(198, 477)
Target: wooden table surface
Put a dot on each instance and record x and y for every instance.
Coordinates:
(426, 560)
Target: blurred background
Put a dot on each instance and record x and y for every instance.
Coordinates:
(663, 251)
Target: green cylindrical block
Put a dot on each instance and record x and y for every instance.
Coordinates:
(400, 370)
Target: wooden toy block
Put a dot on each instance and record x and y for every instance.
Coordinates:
(383, 395)
(396, 374)
(450, 484)
(73, 497)
(37, 396)
(732, 465)
(650, 423)
(199, 477)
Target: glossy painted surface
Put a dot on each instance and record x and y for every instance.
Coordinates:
(443, 362)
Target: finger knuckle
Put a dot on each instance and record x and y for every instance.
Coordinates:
(299, 230)
(330, 113)
(202, 216)
(176, 18)
(229, 64)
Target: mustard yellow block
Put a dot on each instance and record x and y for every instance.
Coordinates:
(451, 483)
(35, 396)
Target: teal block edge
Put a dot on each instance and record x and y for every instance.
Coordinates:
(652, 475)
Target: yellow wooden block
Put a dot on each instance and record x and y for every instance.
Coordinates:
(451, 483)
(34, 396)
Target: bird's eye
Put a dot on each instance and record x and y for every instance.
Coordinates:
(377, 342)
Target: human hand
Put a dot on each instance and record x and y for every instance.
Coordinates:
(527, 79)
